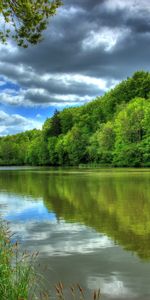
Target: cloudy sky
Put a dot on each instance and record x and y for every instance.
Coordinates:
(89, 46)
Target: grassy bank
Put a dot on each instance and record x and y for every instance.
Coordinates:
(17, 276)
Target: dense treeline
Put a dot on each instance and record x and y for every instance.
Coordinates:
(113, 129)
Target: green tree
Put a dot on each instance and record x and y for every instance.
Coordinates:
(111, 129)
(62, 155)
(56, 124)
(9, 152)
(93, 148)
(129, 133)
(75, 144)
(102, 144)
(53, 158)
(52, 126)
(66, 120)
(25, 20)
(33, 151)
(106, 142)
(136, 86)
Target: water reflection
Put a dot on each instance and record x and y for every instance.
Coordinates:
(24, 208)
(32, 222)
(81, 222)
(113, 286)
(115, 204)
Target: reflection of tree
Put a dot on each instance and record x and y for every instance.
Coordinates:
(116, 204)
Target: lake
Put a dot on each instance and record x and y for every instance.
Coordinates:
(90, 226)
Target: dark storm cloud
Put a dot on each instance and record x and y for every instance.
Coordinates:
(139, 24)
(98, 38)
(54, 85)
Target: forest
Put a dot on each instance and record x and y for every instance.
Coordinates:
(112, 130)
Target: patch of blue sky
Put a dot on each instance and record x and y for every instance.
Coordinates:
(6, 84)
(40, 112)
(36, 113)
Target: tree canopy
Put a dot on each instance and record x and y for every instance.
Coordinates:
(25, 20)
(111, 130)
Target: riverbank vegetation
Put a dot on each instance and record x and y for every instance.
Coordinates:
(111, 130)
(16, 270)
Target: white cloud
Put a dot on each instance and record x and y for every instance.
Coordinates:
(38, 116)
(106, 37)
(9, 123)
(74, 99)
(2, 82)
(119, 4)
(49, 89)
(86, 43)
(78, 78)
(3, 116)
(12, 97)
(3, 130)
(8, 49)
(133, 6)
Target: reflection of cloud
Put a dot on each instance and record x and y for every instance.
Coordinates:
(60, 238)
(111, 286)
(19, 208)
(14, 204)
(67, 238)
(33, 223)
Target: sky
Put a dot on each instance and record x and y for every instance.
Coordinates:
(88, 48)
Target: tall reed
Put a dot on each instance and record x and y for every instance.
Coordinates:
(17, 275)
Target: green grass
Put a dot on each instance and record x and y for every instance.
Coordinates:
(17, 275)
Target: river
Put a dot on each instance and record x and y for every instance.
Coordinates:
(90, 226)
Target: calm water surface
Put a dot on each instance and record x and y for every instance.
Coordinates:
(91, 227)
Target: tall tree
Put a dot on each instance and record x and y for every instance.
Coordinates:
(52, 126)
(25, 20)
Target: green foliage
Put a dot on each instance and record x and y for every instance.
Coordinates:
(66, 120)
(131, 130)
(52, 151)
(25, 20)
(113, 130)
(52, 127)
(102, 143)
(61, 151)
(16, 270)
(75, 143)
(136, 86)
